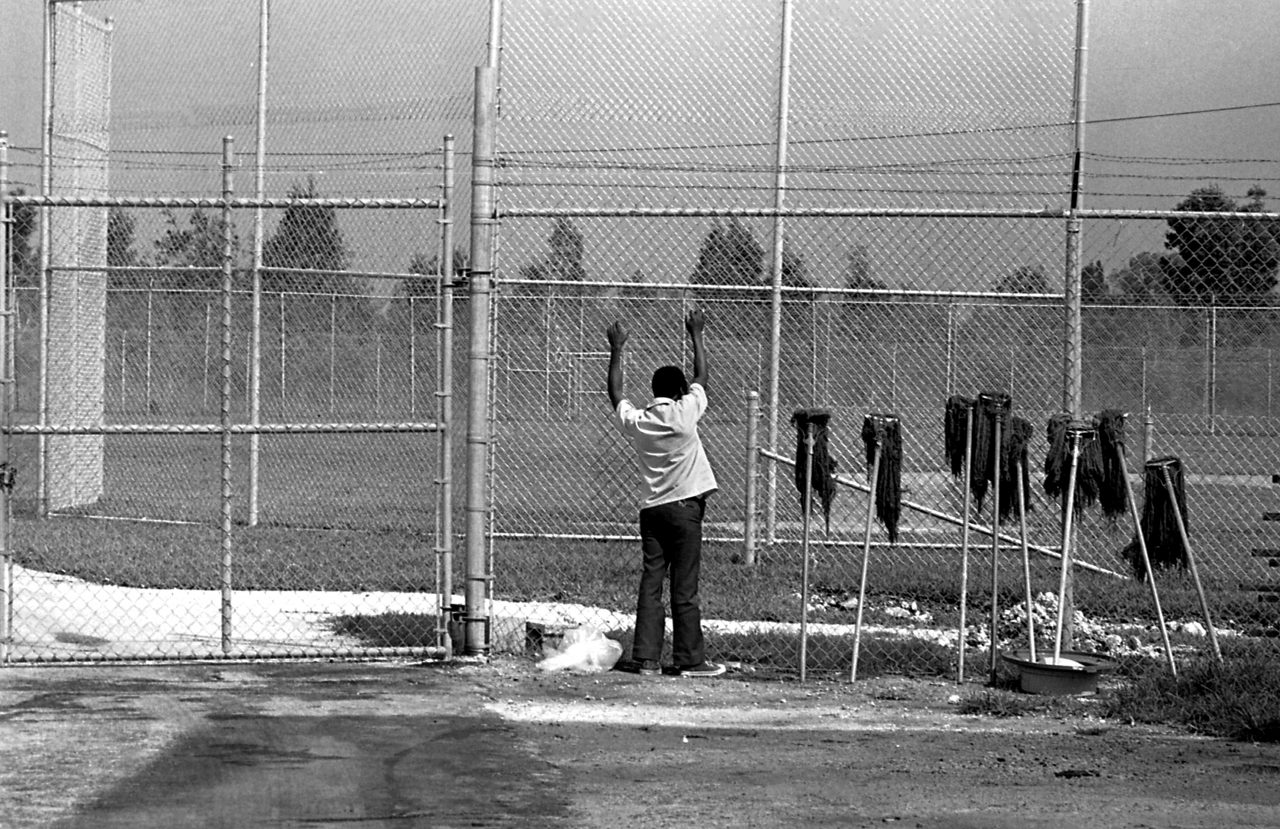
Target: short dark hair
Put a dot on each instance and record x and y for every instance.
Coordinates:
(669, 381)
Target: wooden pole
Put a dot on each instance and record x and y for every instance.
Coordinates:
(805, 523)
(964, 540)
(995, 549)
(873, 479)
(1026, 562)
(1146, 559)
(1191, 563)
(1067, 515)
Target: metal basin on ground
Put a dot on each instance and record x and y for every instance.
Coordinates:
(1062, 679)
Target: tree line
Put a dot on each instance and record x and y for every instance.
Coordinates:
(1205, 260)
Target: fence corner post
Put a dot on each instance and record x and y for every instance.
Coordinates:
(476, 625)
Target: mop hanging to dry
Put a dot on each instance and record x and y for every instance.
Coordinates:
(1058, 456)
(955, 421)
(824, 466)
(1111, 495)
(1013, 456)
(1159, 522)
(1062, 432)
(992, 407)
(885, 430)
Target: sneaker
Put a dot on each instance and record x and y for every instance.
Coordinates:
(704, 669)
(648, 667)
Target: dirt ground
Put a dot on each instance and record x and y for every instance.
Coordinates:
(503, 744)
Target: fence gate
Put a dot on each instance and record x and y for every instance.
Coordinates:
(210, 459)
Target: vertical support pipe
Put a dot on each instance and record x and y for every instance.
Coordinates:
(1072, 346)
(750, 507)
(966, 517)
(377, 374)
(228, 252)
(248, 368)
(147, 341)
(548, 331)
(1144, 379)
(6, 383)
(893, 377)
(813, 346)
(413, 346)
(46, 246)
(333, 352)
(806, 524)
(444, 312)
(259, 191)
(491, 471)
(1211, 393)
(951, 349)
(284, 386)
(1073, 338)
(775, 301)
(479, 358)
(495, 34)
(124, 372)
(1073, 349)
(208, 345)
(1148, 435)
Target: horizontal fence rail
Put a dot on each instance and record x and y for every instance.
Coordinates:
(235, 428)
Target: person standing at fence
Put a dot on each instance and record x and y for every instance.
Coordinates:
(677, 479)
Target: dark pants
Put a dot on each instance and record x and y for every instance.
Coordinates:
(671, 540)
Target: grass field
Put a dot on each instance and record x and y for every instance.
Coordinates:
(357, 512)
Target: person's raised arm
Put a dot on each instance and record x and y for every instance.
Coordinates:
(694, 324)
(617, 339)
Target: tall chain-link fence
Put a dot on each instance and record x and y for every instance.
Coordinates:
(912, 180)
(906, 179)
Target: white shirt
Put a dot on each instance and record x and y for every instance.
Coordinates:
(664, 435)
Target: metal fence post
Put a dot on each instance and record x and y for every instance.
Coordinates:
(333, 352)
(444, 379)
(1072, 344)
(1211, 365)
(775, 303)
(750, 506)
(259, 191)
(1073, 339)
(413, 349)
(46, 247)
(148, 342)
(479, 359)
(6, 384)
(228, 269)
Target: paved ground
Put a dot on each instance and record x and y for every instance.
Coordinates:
(503, 744)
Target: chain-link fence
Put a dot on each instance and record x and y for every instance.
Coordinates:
(229, 413)
(239, 472)
(911, 180)
(905, 178)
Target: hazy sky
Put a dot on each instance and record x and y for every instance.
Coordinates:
(362, 77)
